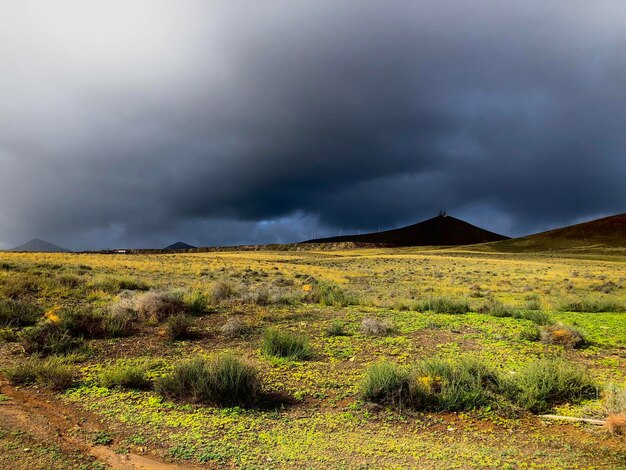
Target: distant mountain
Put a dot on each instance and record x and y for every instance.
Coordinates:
(179, 246)
(608, 232)
(41, 246)
(442, 230)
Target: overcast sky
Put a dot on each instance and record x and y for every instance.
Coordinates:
(140, 123)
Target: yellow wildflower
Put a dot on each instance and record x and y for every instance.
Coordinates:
(52, 314)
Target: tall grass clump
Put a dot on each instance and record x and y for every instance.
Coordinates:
(47, 338)
(542, 384)
(285, 344)
(498, 309)
(592, 306)
(127, 375)
(18, 313)
(446, 305)
(235, 327)
(223, 380)
(387, 384)
(330, 294)
(337, 328)
(53, 372)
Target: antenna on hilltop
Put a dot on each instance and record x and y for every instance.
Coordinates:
(443, 212)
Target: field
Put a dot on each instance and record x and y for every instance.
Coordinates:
(350, 309)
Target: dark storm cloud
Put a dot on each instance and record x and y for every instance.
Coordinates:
(140, 123)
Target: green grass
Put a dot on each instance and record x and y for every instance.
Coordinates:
(127, 376)
(53, 372)
(285, 344)
(446, 305)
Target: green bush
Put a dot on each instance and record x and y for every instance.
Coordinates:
(446, 305)
(179, 327)
(83, 322)
(224, 380)
(592, 306)
(47, 338)
(19, 286)
(455, 386)
(196, 302)
(498, 309)
(536, 316)
(387, 384)
(285, 344)
(54, 373)
(329, 294)
(128, 376)
(17, 313)
(548, 382)
(337, 328)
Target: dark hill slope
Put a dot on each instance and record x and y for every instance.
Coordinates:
(179, 246)
(608, 232)
(442, 230)
(40, 246)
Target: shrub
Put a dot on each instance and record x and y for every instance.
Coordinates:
(7, 335)
(533, 304)
(224, 380)
(154, 307)
(71, 281)
(196, 302)
(548, 382)
(129, 376)
(446, 305)
(376, 327)
(454, 386)
(616, 424)
(563, 335)
(337, 328)
(120, 319)
(179, 327)
(387, 384)
(614, 399)
(498, 309)
(285, 344)
(329, 294)
(82, 322)
(223, 290)
(17, 313)
(592, 306)
(47, 338)
(53, 373)
(235, 327)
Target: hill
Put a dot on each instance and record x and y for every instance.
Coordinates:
(40, 246)
(608, 232)
(179, 246)
(442, 230)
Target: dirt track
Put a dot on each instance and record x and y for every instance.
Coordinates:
(54, 423)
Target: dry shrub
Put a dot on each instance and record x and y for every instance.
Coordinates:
(154, 307)
(376, 327)
(616, 424)
(235, 327)
(563, 335)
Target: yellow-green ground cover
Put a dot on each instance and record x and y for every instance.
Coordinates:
(315, 417)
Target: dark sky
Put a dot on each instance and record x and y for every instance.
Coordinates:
(224, 122)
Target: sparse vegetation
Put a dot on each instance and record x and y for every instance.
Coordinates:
(376, 327)
(235, 327)
(179, 327)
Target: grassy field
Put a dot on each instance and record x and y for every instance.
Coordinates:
(459, 338)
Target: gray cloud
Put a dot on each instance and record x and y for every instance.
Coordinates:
(137, 124)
